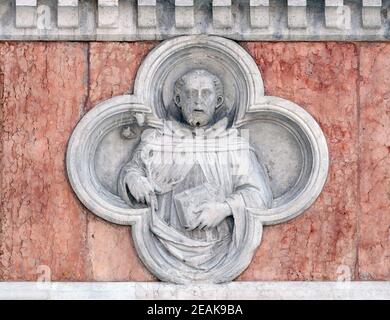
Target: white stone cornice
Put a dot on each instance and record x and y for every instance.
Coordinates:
(147, 13)
(184, 13)
(132, 20)
(270, 290)
(259, 13)
(334, 10)
(68, 14)
(222, 13)
(296, 12)
(25, 13)
(108, 13)
(371, 14)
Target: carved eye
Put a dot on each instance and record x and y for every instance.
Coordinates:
(194, 94)
(206, 93)
(188, 93)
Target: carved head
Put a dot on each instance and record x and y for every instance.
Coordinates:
(198, 94)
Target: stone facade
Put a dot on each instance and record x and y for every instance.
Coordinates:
(48, 87)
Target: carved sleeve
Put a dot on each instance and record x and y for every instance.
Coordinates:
(134, 169)
(136, 165)
(251, 185)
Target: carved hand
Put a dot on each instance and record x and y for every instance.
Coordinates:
(211, 215)
(142, 190)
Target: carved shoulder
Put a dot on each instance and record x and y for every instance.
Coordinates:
(150, 135)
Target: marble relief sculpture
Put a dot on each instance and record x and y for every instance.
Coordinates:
(197, 160)
(198, 176)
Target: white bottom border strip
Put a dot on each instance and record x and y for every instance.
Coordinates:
(233, 291)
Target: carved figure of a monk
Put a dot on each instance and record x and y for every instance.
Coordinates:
(199, 176)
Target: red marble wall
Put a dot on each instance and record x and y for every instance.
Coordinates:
(374, 166)
(47, 87)
(44, 91)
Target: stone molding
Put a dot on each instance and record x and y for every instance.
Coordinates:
(270, 290)
(114, 20)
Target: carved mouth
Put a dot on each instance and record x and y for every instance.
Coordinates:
(198, 111)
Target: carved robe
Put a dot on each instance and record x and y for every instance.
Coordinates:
(178, 158)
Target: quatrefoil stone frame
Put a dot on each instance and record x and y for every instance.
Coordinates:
(262, 115)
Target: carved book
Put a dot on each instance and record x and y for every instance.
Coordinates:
(189, 200)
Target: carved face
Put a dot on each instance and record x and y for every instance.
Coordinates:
(197, 96)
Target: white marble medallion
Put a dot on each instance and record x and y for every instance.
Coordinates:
(197, 160)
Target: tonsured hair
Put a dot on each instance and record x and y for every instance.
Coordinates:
(180, 83)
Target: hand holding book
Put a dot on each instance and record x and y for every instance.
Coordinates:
(210, 215)
(202, 207)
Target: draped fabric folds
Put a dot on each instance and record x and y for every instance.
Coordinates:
(178, 158)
